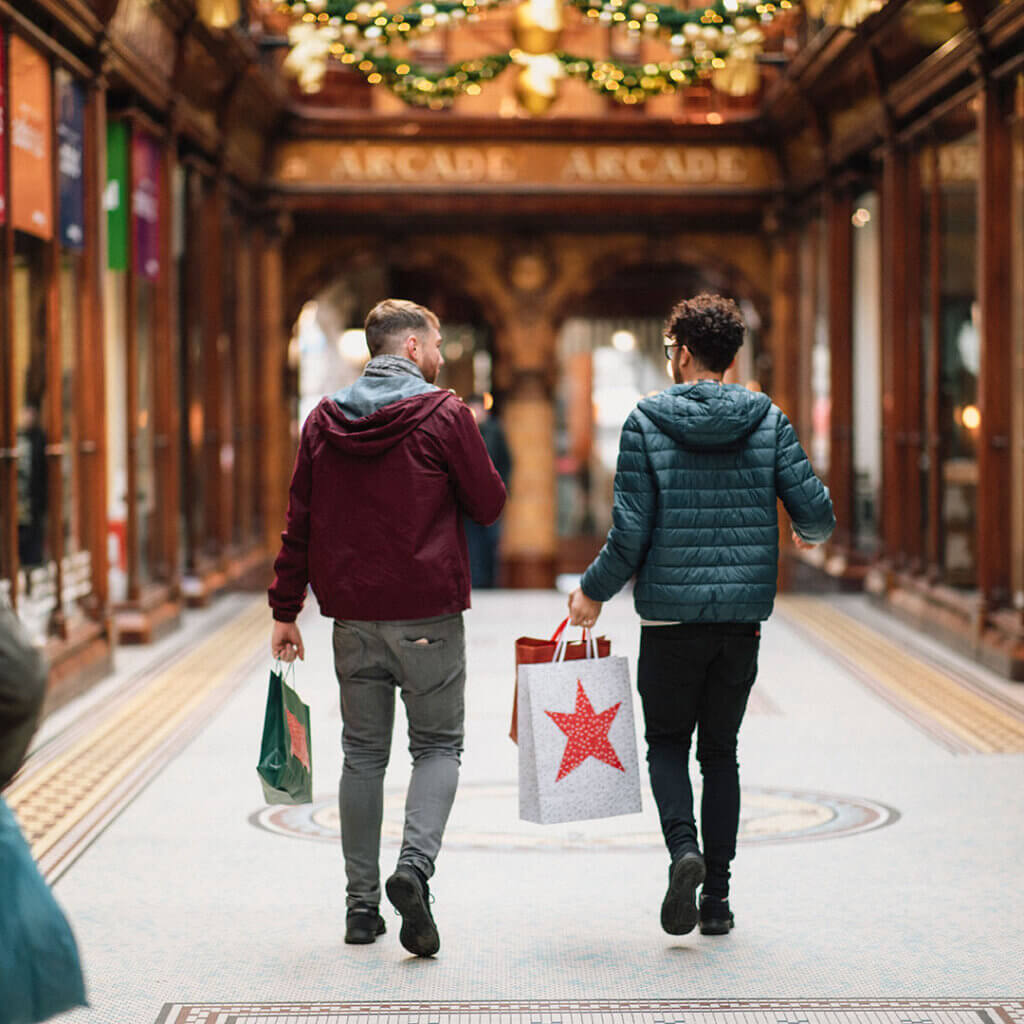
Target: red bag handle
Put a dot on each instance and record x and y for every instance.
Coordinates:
(561, 629)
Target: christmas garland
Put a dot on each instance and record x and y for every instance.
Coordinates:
(719, 44)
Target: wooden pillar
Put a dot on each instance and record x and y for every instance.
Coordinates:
(527, 342)
(8, 400)
(53, 411)
(93, 427)
(914, 534)
(785, 330)
(274, 427)
(933, 409)
(166, 413)
(995, 380)
(131, 372)
(894, 277)
(213, 327)
(785, 347)
(839, 208)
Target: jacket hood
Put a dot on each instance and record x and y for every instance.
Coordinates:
(375, 414)
(707, 416)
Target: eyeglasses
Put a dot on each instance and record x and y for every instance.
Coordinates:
(668, 349)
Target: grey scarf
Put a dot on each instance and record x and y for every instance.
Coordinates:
(391, 366)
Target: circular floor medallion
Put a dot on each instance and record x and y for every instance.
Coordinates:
(768, 816)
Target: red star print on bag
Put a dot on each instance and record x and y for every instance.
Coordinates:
(297, 735)
(587, 732)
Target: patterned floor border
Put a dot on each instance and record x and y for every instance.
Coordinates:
(922, 1010)
(940, 701)
(71, 792)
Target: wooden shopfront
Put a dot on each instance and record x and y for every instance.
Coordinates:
(52, 546)
(138, 280)
(904, 366)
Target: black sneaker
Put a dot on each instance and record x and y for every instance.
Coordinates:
(363, 925)
(410, 895)
(679, 908)
(715, 916)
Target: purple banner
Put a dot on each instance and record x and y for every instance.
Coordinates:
(146, 204)
(70, 136)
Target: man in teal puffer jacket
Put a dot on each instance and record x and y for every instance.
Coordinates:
(701, 466)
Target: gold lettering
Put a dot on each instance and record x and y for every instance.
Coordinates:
(732, 166)
(641, 163)
(700, 165)
(578, 167)
(379, 164)
(501, 165)
(672, 165)
(348, 166)
(404, 166)
(470, 165)
(441, 164)
(610, 165)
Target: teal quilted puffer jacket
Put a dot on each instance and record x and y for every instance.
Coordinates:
(695, 515)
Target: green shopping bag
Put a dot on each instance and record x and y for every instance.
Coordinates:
(286, 760)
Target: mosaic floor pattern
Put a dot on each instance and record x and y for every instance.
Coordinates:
(767, 816)
(808, 1011)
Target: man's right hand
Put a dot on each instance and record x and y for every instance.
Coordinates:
(803, 545)
(286, 642)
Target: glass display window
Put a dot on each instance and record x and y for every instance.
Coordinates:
(949, 182)
(867, 372)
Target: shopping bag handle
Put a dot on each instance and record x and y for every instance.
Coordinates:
(288, 670)
(588, 638)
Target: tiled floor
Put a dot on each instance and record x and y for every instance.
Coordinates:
(875, 863)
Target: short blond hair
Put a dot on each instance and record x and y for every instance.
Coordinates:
(390, 320)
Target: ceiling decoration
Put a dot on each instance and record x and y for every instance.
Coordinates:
(720, 46)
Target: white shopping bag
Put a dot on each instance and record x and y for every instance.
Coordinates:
(577, 744)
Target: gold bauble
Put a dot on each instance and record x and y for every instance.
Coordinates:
(538, 25)
(533, 102)
(219, 13)
(740, 77)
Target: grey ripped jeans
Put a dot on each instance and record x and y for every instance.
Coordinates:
(373, 660)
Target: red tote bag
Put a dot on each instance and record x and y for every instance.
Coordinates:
(530, 651)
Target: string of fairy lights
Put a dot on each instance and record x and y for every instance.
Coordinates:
(718, 45)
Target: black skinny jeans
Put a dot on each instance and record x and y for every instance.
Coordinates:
(699, 676)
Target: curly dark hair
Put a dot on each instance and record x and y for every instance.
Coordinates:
(711, 327)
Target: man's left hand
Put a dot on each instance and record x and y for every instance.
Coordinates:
(582, 610)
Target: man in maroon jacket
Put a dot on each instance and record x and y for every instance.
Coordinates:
(386, 470)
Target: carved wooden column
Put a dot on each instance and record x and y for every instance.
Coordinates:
(215, 533)
(273, 418)
(166, 405)
(784, 343)
(839, 208)
(526, 345)
(93, 429)
(894, 324)
(995, 381)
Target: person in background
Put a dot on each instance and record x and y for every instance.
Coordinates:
(484, 542)
(385, 472)
(701, 467)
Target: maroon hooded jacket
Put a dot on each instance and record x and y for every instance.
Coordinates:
(375, 511)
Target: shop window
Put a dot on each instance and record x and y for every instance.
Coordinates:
(867, 373)
(821, 362)
(815, 415)
(30, 376)
(953, 348)
(146, 498)
(114, 358)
